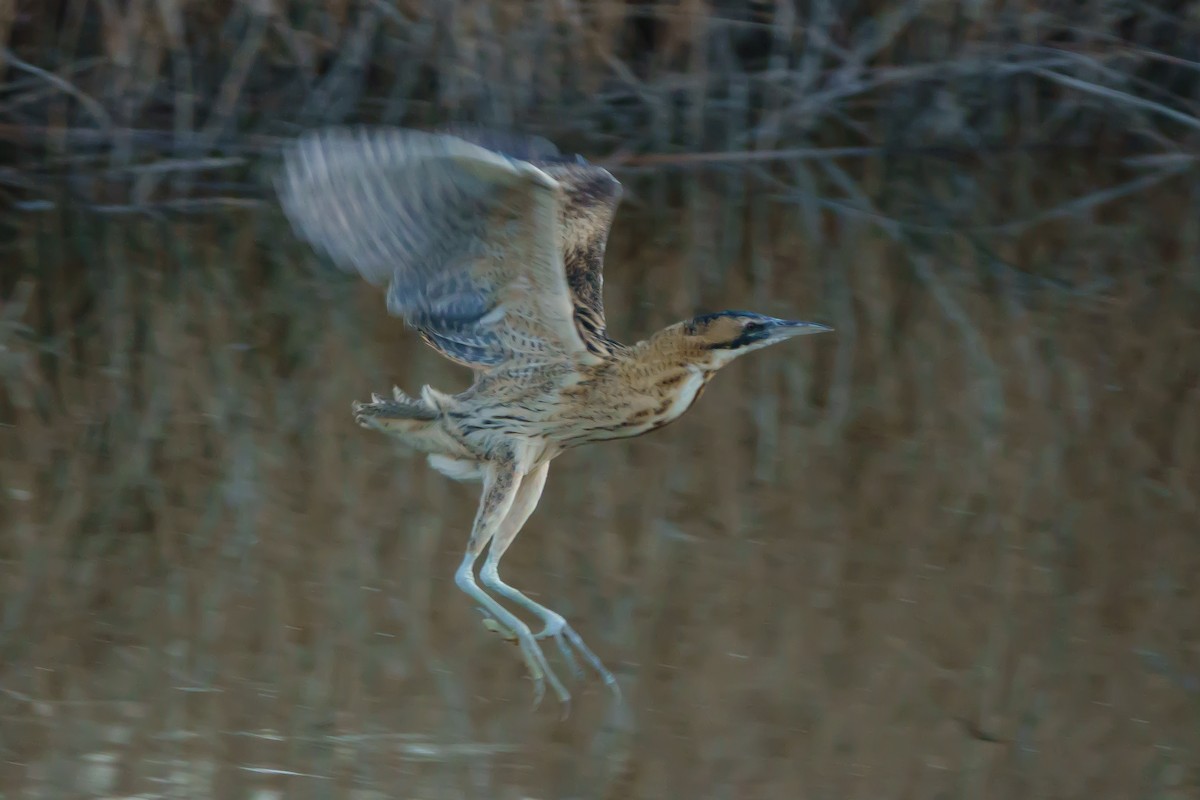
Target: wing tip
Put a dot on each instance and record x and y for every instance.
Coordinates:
(536, 173)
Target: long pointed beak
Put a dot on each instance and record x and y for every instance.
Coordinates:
(786, 328)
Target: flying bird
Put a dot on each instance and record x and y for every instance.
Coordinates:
(491, 246)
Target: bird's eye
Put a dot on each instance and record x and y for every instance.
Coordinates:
(753, 327)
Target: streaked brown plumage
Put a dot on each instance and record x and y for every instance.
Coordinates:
(492, 247)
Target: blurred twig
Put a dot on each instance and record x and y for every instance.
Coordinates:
(94, 108)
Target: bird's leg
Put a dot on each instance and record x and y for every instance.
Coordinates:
(524, 503)
(556, 627)
(501, 484)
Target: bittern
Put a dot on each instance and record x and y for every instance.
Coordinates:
(492, 248)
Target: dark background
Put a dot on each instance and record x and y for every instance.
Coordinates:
(948, 551)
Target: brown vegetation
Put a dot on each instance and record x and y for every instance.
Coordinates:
(948, 551)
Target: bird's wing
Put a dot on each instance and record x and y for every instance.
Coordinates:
(522, 146)
(589, 202)
(591, 195)
(468, 240)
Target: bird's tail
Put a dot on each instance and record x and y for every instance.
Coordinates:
(414, 421)
(401, 415)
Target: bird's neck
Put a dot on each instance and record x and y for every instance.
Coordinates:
(661, 378)
(666, 358)
(643, 386)
(672, 348)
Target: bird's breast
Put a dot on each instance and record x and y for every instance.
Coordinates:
(662, 400)
(615, 404)
(690, 389)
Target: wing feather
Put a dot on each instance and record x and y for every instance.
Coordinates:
(467, 240)
(590, 197)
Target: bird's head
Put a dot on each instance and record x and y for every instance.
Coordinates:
(725, 335)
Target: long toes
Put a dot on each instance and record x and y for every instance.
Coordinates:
(592, 659)
(539, 670)
(569, 657)
(560, 691)
(555, 632)
(535, 659)
(539, 682)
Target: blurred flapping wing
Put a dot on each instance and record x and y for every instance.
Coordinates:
(467, 240)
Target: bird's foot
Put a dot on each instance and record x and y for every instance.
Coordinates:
(561, 632)
(535, 660)
(555, 628)
(539, 670)
(565, 637)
